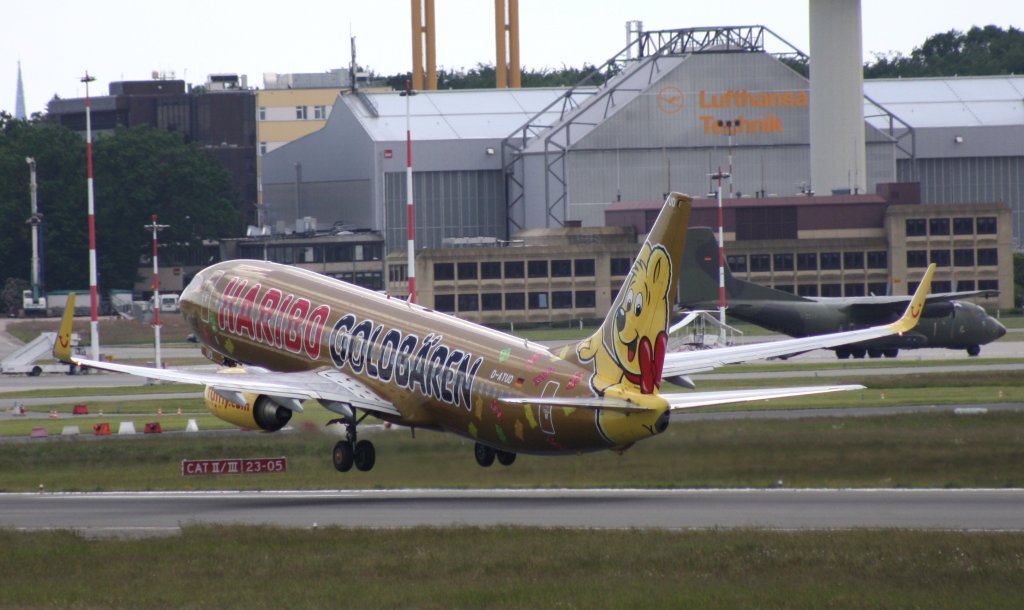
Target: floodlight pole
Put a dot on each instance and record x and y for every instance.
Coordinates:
(721, 263)
(410, 217)
(94, 322)
(730, 127)
(154, 227)
(36, 220)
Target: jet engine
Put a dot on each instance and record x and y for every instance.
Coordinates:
(255, 412)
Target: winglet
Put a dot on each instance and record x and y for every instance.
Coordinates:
(912, 315)
(62, 344)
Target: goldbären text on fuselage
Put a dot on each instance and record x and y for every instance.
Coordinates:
(428, 366)
(295, 324)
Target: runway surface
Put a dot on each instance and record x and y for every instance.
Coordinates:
(154, 513)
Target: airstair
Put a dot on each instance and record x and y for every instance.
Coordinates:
(701, 330)
(25, 360)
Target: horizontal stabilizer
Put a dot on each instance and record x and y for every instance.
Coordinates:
(581, 402)
(690, 400)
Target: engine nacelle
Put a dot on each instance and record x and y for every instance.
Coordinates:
(256, 413)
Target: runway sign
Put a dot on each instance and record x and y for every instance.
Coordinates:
(239, 466)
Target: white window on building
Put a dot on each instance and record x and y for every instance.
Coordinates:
(301, 112)
(263, 113)
(320, 112)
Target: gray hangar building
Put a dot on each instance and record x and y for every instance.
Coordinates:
(969, 138)
(492, 162)
(352, 172)
(663, 115)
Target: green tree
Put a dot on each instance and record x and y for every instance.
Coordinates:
(10, 297)
(139, 171)
(978, 52)
(60, 174)
(483, 76)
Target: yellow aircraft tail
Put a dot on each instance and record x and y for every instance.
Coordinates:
(629, 348)
(62, 345)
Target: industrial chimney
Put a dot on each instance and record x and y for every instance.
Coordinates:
(506, 65)
(837, 98)
(423, 36)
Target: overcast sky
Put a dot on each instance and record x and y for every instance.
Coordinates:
(57, 41)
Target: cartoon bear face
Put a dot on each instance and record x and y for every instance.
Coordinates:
(642, 312)
(631, 347)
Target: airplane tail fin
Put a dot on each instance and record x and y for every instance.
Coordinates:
(699, 276)
(629, 347)
(62, 344)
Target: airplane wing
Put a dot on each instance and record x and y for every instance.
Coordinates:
(289, 388)
(901, 301)
(679, 364)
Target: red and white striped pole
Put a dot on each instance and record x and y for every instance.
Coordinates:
(721, 263)
(94, 323)
(156, 290)
(410, 220)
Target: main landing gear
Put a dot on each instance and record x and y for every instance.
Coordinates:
(485, 456)
(351, 451)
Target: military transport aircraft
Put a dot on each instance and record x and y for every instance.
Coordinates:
(945, 322)
(294, 335)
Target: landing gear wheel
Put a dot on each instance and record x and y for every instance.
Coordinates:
(343, 456)
(858, 352)
(874, 353)
(842, 354)
(892, 353)
(505, 458)
(974, 350)
(484, 455)
(365, 455)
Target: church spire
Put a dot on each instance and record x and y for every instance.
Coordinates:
(19, 103)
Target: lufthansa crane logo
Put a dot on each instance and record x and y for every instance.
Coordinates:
(669, 100)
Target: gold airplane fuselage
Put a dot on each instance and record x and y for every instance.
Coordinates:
(439, 371)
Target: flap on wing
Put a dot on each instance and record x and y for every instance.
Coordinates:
(680, 402)
(329, 385)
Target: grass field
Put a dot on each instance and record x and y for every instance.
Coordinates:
(141, 411)
(921, 450)
(882, 391)
(265, 567)
(161, 388)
